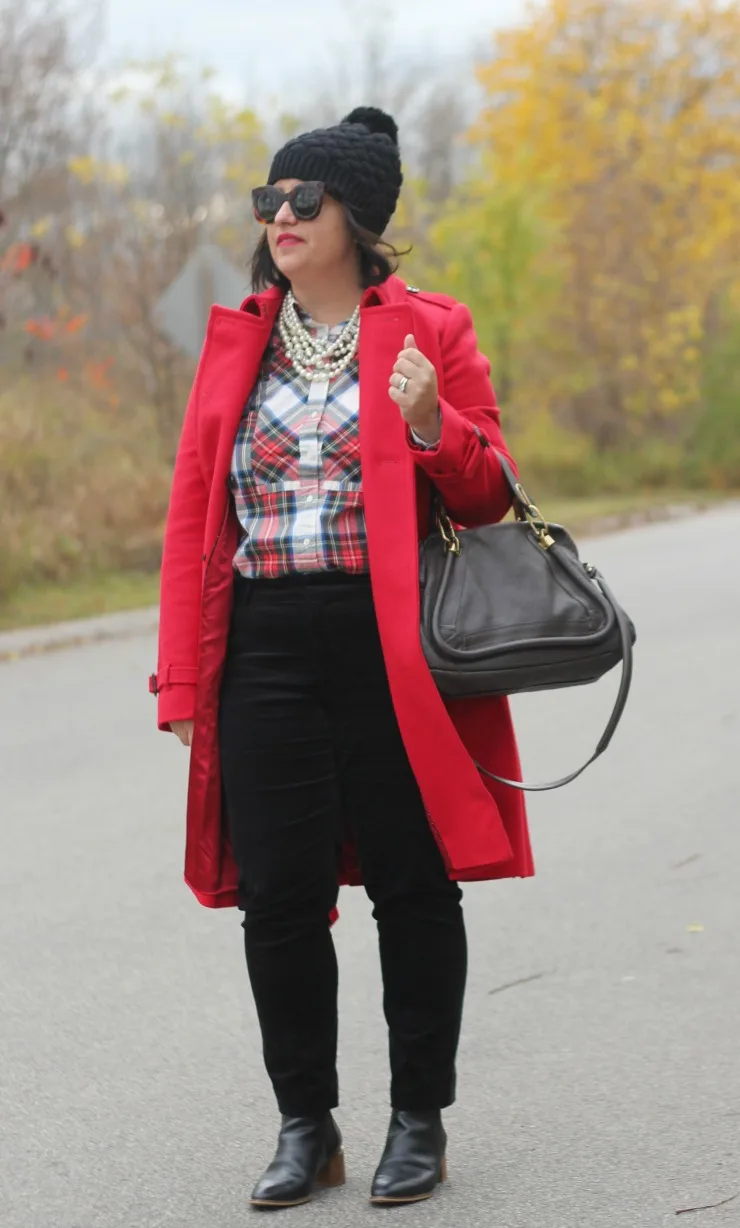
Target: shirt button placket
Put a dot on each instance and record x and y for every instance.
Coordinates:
(318, 392)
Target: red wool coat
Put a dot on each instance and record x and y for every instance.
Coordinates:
(481, 827)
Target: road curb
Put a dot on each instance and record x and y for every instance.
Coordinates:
(31, 641)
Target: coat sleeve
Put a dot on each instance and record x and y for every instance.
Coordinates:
(181, 579)
(464, 465)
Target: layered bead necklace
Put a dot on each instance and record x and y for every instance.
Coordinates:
(310, 356)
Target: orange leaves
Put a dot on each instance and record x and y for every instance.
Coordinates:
(59, 331)
(98, 374)
(76, 323)
(18, 258)
(47, 328)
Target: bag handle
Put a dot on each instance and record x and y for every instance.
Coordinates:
(525, 509)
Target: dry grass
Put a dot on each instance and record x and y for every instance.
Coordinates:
(107, 593)
(83, 487)
(601, 514)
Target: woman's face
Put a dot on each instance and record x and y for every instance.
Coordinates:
(304, 249)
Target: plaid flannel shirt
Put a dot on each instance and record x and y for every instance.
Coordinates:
(295, 473)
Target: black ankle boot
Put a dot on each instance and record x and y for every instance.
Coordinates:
(413, 1162)
(309, 1153)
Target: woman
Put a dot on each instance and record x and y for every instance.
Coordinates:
(290, 661)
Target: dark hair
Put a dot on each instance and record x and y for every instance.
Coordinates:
(376, 265)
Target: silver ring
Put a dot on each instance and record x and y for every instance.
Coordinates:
(403, 384)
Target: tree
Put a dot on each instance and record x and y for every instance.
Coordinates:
(625, 113)
(492, 242)
(43, 44)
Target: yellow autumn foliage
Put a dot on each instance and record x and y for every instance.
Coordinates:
(620, 117)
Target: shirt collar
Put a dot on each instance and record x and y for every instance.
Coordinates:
(311, 324)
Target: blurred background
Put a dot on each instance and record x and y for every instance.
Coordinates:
(572, 173)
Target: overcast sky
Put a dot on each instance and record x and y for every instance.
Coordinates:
(277, 48)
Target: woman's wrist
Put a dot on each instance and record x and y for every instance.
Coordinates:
(428, 432)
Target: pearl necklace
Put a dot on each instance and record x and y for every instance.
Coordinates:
(311, 357)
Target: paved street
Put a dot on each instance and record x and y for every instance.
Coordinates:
(599, 1077)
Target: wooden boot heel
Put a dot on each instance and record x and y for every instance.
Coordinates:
(333, 1172)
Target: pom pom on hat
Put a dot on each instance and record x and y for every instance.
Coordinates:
(374, 120)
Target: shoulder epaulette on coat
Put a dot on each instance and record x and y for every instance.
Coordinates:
(439, 300)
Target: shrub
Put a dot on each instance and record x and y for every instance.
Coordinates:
(83, 487)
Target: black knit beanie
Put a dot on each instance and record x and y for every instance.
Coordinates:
(358, 159)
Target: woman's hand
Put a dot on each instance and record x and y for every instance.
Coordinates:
(414, 388)
(184, 731)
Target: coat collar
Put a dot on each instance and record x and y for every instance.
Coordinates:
(267, 303)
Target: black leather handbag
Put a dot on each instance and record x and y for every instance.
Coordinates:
(510, 607)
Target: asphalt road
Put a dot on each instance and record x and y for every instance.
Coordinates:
(599, 1080)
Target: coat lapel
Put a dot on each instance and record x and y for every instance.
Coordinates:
(235, 344)
(446, 775)
(388, 470)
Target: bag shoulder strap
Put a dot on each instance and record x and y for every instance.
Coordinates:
(625, 632)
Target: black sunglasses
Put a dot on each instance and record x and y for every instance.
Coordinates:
(305, 201)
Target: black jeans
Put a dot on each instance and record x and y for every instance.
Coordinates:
(310, 749)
